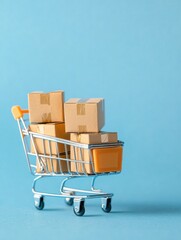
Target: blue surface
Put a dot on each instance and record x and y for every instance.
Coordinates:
(127, 52)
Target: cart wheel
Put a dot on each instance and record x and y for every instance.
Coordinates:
(69, 201)
(39, 203)
(106, 205)
(79, 208)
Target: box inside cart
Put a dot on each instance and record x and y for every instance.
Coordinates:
(54, 164)
(50, 129)
(94, 138)
(112, 161)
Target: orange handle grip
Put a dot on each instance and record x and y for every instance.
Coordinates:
(18, 112)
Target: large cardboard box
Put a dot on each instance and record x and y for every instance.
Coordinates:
(84, 115)
(46, 107)
(52, 165)
(77, 154)
(50, 129)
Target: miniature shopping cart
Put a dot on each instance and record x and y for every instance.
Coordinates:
(43, 164)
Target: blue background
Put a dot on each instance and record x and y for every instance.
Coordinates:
(127, 52)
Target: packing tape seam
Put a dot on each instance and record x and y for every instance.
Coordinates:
(45, 98)
(46, 117)
(82, 128)
(81, 109)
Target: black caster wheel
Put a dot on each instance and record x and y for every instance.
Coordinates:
(79, 208)
(39, 203)
(69, 201)
(106, 205)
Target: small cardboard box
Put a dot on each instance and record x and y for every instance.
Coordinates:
(88, 138)
(46, 107)
(84, 115)
(94, 138)
(52, 165)
(50, 129)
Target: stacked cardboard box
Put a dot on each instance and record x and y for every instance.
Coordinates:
(84, 115)
(46, 112)
(82, 123)
(84, 118)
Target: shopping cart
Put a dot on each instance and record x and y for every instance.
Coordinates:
(43, 165)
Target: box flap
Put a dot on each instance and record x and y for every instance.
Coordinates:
(73, 100)
(39, 92)
(84, 100)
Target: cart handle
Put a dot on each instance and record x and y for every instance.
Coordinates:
(18, 112)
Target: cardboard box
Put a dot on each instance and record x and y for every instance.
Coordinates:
(84, 115)
(94, 138)
(52, 165)
(46, 107)
(88, 138)
(50, 129)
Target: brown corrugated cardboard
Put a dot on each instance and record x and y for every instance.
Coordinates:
(46, 107)
(50, 129)
(84, 115)
(87, 138)
(49, 165)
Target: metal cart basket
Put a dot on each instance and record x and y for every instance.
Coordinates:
(46, 164)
